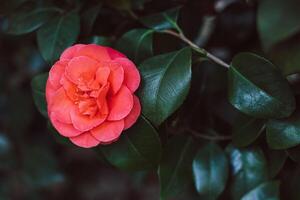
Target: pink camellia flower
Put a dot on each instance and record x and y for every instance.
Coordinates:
(89, 94)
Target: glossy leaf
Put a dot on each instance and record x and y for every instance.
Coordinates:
(210, 169)
(138, 148)
(59, 138)
(162, 21)
(286, 55)
(104, 41)
(276, 160)
(38, 85)
(140, 43)
(265, 191)
(249, 169)
(28, 20)
(175, 170)
(55, 36)
(165, 84)
(246, 130)
(284, 133)
(89, 17)
(294, 153)
(277, 20)
(257, 88)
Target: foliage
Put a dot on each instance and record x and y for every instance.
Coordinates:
(206, 132)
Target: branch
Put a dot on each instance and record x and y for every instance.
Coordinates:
(209, 137)
(197, 48)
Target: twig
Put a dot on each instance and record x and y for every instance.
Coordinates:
(197, 48)
(209, 137)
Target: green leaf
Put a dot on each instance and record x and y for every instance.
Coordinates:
(286, 55)
(294, 153)
(277, 20)
(246, 130)
(58, 34)
(138, 148)
(210, 167)
(89, 17)
(28, 20)
(59, 138)
(265, 191)
(165, 84)
(257, 88)
(140, 43)
(100, 40)
(175, 170)
(38, 86)
(276, 160)
(162, 21)
(284, 133)
(249, 169)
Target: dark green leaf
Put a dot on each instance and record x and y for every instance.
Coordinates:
(249, 169)
(104, 41)
(140, 43)
(246, 130)
(175, 170)
(163, 20)
(286, 55)
(28, 20)
(284, 133)
(257, 88)
(165, 84)
(59, 138)
(89, 17)
(265, 191)
(138, 148)
(276, 160)
(38, 85)
(294, 153)
(277, 20)
(58, 34)
(210, 168)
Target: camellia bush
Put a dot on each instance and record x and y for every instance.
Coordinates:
(203, 94)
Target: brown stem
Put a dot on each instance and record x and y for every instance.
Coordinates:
(209, 137)
(197, 48)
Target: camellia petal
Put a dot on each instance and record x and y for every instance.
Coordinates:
(71, 51)
(85, 123)
(61, 106)
(85, 140)
(69, 87)
(134, 113)
(50, 92)
(102, 75)
(56, 72)
(108, 131)
(94, 51)
(120, 104)
(66, 130)
(132, 76)
(81, 69)
(116, 78)
(114, 54)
